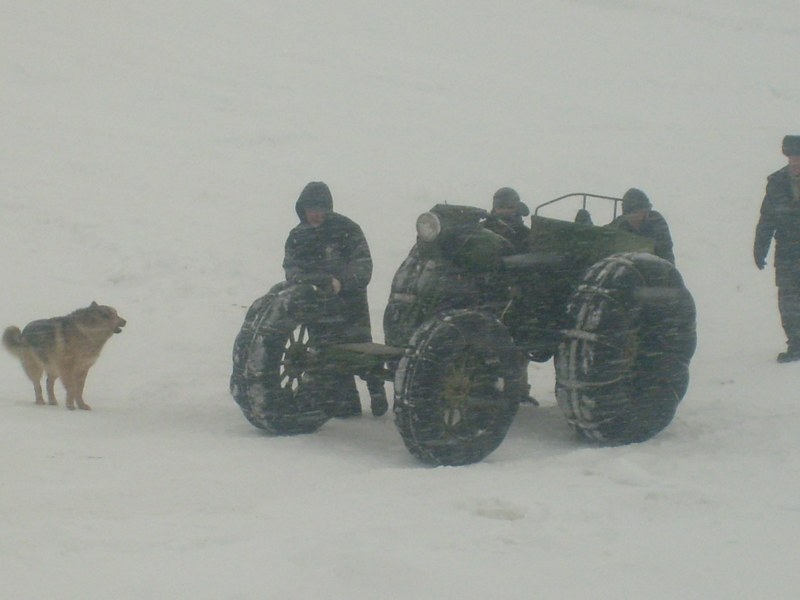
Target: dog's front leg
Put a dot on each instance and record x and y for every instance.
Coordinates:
(80, 382)
(68, 379)
(37, 388)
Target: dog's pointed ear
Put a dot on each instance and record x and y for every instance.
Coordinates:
(93, 304)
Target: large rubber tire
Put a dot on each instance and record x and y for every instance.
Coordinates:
(270, 380)
(623, 365)
(457, 388)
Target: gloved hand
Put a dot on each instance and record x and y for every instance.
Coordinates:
(760, 262)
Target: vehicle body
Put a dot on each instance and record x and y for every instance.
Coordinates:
(466, 313)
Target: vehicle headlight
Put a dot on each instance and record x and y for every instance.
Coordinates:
(428, 227)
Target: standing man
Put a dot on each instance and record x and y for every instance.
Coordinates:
(506, 218)
(639, 217)
(780, 218)
(326, 246)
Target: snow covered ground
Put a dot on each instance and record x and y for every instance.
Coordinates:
(151, 156)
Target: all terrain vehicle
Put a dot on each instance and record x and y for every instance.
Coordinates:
(465, 314)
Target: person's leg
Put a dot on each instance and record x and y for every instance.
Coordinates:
(789, 306)
(377, 395)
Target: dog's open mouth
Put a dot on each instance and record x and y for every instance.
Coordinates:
(120, 326)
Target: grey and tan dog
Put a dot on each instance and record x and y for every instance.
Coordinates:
(63, 347)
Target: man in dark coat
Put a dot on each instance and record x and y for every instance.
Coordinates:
(639, 217)
(780, 218)
(505, 218)
(328, 248)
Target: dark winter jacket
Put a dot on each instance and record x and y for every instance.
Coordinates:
(780, 218)
(337, 248)
(654, 228)
(514, 230)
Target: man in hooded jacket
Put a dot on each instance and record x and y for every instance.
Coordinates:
(780, 218)
(329, 248)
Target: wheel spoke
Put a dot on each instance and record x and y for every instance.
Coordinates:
(452, 417)
(293, 362)
(292, 384)
(469, 395)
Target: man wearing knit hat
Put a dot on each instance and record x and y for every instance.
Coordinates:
(780, 219)
(506, 218)
(639, 217)
(328, 246)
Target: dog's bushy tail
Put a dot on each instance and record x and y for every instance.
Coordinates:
(12, 339)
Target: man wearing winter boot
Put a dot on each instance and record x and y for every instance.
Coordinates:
(780, 218)
(326, 246)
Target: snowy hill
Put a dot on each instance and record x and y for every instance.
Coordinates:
(152, 153)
